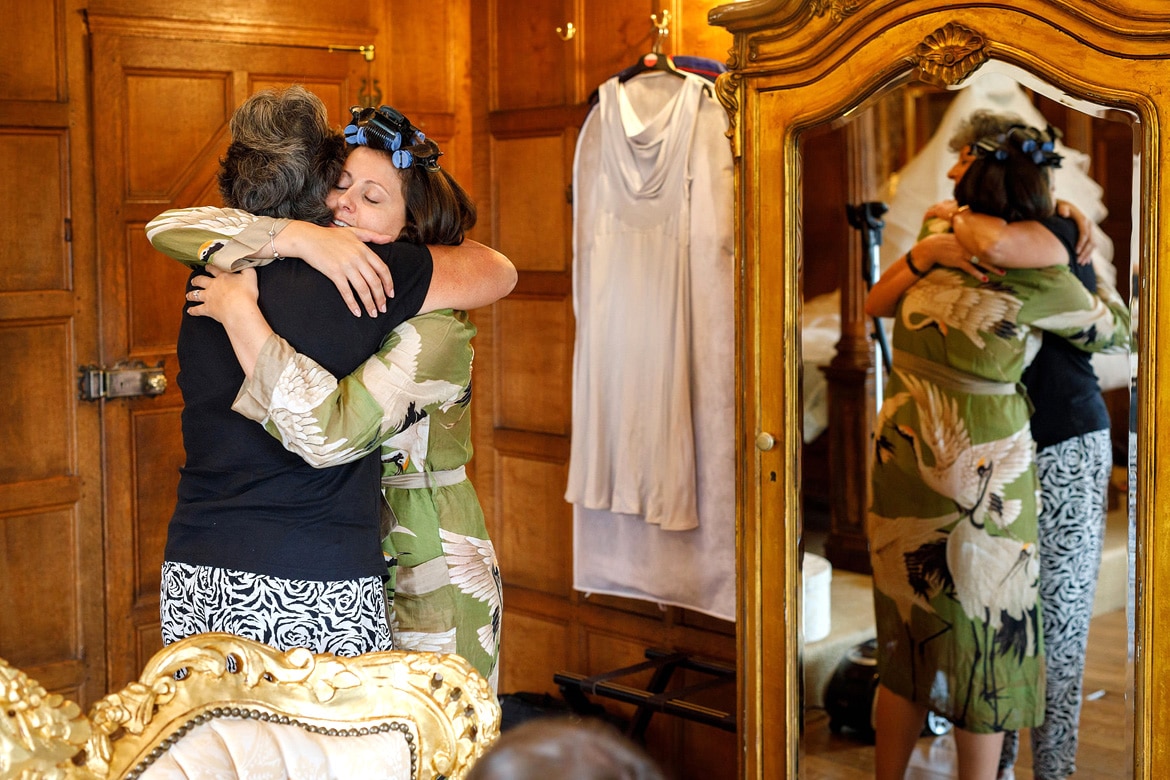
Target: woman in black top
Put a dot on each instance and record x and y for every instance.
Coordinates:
(261, 544)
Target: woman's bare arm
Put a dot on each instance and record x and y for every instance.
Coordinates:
(935, 249)
(231, 239)
(468, 276)
(1026, 244)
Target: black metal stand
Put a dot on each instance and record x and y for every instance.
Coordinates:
(576, 688)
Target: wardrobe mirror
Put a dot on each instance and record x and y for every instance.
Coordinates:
(801, 66)
(867, 181)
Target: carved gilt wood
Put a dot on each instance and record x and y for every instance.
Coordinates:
(800, 63)
(446, 712)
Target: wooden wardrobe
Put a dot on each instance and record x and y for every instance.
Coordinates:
(800, 66)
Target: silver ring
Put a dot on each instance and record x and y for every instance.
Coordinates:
(195, 293)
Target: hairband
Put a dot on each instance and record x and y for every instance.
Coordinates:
(389, 130)
(1037, 145)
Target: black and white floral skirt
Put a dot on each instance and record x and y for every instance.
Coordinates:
(344, 617)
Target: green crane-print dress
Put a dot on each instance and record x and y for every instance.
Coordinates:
(952, 525)
(410, 402)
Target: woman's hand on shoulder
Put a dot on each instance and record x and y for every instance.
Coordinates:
(222, 295)
(1086, 242)
(944, 210)
(944, 249)
(342, 255)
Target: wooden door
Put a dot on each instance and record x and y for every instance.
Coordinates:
(160, 126)
(50, 461)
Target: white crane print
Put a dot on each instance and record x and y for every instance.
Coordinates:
(994, 577)
(972, 475)
(473, 568)
(295, 409)
(943, 299)
(893, 543)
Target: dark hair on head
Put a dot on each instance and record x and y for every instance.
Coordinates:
(1009, 177)
(438, 210)
(566, 750)
(284, 156)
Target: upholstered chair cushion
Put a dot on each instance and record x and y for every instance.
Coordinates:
(253, 749)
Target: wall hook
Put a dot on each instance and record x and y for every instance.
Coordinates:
(662, 28)
(567, 32)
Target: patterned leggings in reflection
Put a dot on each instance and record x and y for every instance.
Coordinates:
(1074, 475)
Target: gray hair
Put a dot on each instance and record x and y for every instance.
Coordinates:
(981, 124)
(284, 156)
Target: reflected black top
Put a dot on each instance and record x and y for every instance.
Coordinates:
(1061, 381)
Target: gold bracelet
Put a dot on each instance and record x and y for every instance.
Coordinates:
(910, 265)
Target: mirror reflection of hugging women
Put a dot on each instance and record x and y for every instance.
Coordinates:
(272, 520)
(953, 522)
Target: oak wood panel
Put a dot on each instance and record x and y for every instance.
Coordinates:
(31, 65)
(531, 65)
(39, 386)
(532, 213)
(531, 645)
(39, 552)
(691, 34)
(39, 493)
(434, 71)
(529, 327)
(529, 122)
(535, 545)
(303, 17)
(616, 36)
(51, 611)
(33, 232)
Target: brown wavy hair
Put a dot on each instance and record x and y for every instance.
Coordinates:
(438, 210)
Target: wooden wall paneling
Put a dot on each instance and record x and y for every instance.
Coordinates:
(691, 34)
(532, 213)
(535, 539)
(50, 466)
(531, 66)
(36, 253)
(32, 63)
(45, 629)
(531, 644)
(614, 36)
(244, 20)
(535, 325)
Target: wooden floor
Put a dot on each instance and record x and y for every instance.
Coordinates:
(827, 756)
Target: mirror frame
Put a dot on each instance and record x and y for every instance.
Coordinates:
(799, 63)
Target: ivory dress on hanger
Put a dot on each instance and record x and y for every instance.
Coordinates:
(652, 469)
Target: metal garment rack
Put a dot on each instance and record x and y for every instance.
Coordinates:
(654, 698)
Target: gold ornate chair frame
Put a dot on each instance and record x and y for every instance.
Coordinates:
(800, 63)
(446, 712)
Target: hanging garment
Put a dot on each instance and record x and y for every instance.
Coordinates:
(652, 469)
